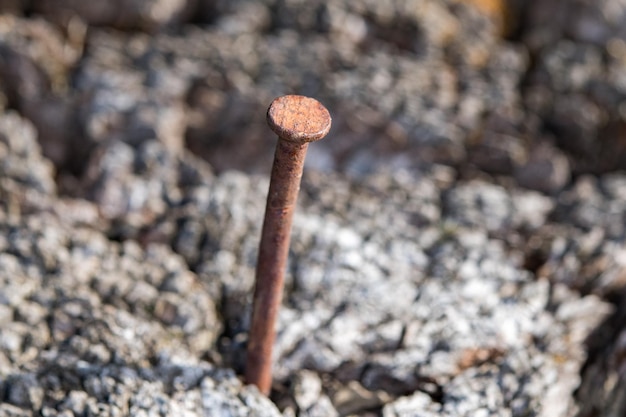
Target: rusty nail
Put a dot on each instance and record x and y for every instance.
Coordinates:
(297, 120)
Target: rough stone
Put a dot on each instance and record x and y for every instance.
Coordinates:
(428, 273)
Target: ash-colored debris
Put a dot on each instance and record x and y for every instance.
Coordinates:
(37, 61)
(99, 328)
(75, 288)
(595, 22)
(594, 202)
(383, 293)
(93, 327)
(584, 250)
(37, 46)
(395, 96)
(587, 254)
(66, 385)
(27, 182)
(376, 300)
(494, 209)
(413, 288)
(22, 164)
(415, 81)
(428, 335)
(147, 15)
(577, 88)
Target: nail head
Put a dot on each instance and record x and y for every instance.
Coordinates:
(298, 119)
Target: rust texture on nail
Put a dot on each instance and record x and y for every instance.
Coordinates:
(297, 120)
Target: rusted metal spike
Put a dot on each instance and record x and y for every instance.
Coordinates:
(297, 120)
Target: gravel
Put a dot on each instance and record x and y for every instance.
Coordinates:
(458, 248)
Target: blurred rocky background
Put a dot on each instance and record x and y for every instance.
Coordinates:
(459, 248)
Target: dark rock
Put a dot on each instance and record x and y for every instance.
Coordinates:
(430, 280)
(547, 169)
(124, 14)
(602, 383)
(16, 7)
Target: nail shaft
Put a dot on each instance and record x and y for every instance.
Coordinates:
(297, 120)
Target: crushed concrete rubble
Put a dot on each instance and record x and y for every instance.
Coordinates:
(458, 248)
